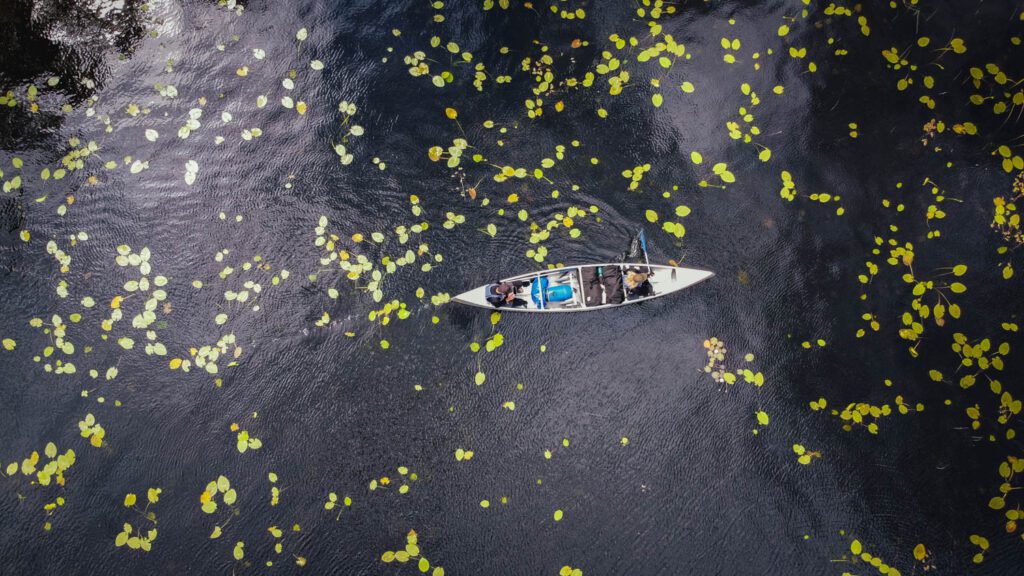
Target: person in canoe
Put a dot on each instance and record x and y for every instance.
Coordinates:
(637, 283)
(636, 279)
(504, 293)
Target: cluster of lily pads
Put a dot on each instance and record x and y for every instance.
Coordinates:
(405, 476)
(858, 554)
(145, 318)
(411, 552)
(49, 474)
(132, 537)
(333, 502)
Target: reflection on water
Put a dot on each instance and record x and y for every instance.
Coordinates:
(69, 41)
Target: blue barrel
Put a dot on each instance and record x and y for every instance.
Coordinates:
(559, 293)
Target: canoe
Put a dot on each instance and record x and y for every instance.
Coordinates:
(567, 289)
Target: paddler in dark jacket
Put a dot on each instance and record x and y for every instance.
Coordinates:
(504, 294)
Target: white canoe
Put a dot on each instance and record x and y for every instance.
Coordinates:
(664, 280)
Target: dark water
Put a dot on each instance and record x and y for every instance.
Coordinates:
(694, 491)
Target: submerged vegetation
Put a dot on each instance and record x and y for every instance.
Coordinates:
(517, 135)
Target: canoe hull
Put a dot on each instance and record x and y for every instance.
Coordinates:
(664, 280)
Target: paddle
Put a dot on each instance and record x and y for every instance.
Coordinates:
(643, 245)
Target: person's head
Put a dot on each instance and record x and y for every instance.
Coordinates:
(506, 290)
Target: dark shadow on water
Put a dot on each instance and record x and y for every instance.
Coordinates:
(64, 38)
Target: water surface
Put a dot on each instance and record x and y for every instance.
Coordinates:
(694, 491)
